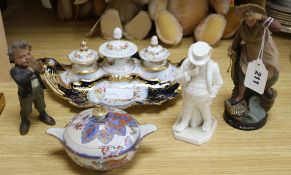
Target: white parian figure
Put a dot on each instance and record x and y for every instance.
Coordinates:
(201, 79)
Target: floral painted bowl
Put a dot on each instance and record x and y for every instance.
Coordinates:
(101, 138)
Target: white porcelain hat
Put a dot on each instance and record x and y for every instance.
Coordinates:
(83, 55)
(117, 48)
(154, 52)
(199, 53)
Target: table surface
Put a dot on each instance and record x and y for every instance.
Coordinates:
(230, 151)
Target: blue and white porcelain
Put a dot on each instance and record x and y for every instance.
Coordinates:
(121, 77)
(101, 138)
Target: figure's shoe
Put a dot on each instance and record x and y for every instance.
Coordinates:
(47, 120)
(268, 99)
(271, 95)
(180, 127)
(206, 126)
(24, 127)
(234, 101)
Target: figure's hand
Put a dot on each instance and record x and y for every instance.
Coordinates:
(230, 52)
(194, 71)
(32, 63)
(212, 93)
(190, 73)
(210, 98)
(40, 67)
(257, 16)
(187, 76)
(36, 65)
(188, 65)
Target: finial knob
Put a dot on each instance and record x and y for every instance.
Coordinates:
(117, 34)
(99, 111)
(154, 40)
(83, 45)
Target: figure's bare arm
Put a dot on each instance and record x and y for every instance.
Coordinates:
(275, 26)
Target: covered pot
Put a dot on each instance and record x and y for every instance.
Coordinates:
(154, 56)
(101, 138)
(84, 60)
(118, 54)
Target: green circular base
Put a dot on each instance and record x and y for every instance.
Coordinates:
(244, 126)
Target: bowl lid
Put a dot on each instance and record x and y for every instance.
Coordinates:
(154, 52)
(118, 48)
(102, 132)
(83, 55)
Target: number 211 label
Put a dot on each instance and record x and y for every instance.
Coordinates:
(256, 76)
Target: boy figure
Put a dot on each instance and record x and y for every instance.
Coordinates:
(247, 45)
(30, 86)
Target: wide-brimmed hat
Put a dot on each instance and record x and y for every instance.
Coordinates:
(242, 9)
(199, 53)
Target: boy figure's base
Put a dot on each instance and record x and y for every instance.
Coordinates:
(195, 135)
